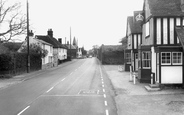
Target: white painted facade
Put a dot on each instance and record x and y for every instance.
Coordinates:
(62, 53)
(48, 59)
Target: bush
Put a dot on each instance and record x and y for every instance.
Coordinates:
(16, 63)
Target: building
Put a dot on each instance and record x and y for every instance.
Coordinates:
(47, 61)
(133, 36)
(59, 50)
(161, 51)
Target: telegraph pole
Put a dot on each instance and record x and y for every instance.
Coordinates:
(28, 55)
(70, 43)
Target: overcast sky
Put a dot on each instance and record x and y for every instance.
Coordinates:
(93, 22)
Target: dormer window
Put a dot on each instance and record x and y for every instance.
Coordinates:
(147, 29)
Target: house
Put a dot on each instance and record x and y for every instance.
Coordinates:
(62, 51)
(161, 51)
(133, 36)
(79, 53)
(59, 50)
(72, 48)
(47, 61)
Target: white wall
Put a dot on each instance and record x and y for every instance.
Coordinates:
(62, 54)
(171, 74)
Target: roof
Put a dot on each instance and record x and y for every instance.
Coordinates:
(72, 46)
(165, 7)
(180, 33)
(135, 26)
(50, 40)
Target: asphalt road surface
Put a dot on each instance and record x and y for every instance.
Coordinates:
(79, 88)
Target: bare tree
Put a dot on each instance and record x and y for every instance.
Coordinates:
(12, 21)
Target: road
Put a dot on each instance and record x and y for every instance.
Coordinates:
(79, 88)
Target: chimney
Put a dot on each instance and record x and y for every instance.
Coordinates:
(50, 33)
(60, 40)
(182, 5)
(67, 42)
(31, 33)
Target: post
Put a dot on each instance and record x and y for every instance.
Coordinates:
(28, 55)
(130, 74)
(151, 78)
(134, 78)
(70, 44)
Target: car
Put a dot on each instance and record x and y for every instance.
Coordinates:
(90, 56)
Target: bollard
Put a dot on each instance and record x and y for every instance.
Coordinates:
(151, 78)
(134, 79)
(130, 74)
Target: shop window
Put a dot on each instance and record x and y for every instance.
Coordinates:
(146, 60)
(128, 58)
(166, 58)
(177, 58)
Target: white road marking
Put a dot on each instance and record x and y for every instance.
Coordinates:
(71, 73)
(102, 82)
(105, 103)
(103, 90)
(63, 79)
(104, 95)
(98, 92)
(107, 112)
(23, 110)
(102, 85)
(50, 89)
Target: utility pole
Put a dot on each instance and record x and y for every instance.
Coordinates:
(28, 55)
(70, 43)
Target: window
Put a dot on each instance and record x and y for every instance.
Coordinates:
(166, 58)
(177, 58)
(147, 29)
(146, 60)
(128, 57)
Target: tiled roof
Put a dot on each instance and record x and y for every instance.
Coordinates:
(180, 33)
(51, 40)
(165, 7)
(135, 26)
(72, 46)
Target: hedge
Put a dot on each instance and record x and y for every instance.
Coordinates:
(16, 63)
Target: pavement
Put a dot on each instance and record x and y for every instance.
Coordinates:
(134, 99)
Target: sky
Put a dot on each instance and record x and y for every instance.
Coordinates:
(92, 22)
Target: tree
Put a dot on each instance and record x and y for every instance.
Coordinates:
(34, 49)
(12, 21)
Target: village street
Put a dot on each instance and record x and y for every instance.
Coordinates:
(78, 87)
(84, 87)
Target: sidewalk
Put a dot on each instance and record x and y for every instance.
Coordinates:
(4, 83)
(136, 100)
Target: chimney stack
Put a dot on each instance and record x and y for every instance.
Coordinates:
(31, 33)
(50, 33)
(60, 40)
(182, 5)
